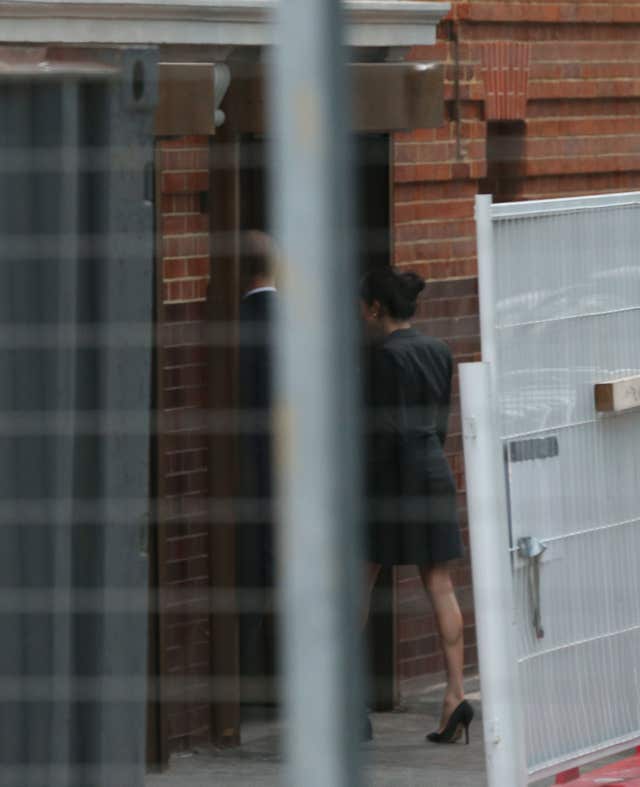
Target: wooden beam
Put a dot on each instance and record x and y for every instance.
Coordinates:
(397, 96)
(385, 97)
(618, 395)
(185, 99)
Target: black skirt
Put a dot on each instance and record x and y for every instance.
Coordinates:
(412, 517)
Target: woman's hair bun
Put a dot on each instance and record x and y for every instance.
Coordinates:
(396, 292)
(414, 284)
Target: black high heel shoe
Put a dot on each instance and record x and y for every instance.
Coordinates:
(459, 720)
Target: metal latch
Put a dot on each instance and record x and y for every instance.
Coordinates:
(531, 550)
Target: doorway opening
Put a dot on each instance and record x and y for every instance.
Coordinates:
(195, 646)
(259, 694)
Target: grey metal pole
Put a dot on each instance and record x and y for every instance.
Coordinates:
(317, 397)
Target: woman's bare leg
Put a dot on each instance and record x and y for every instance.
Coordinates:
(371, 574)
(437, 582)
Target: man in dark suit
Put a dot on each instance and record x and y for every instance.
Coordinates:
(255, 547)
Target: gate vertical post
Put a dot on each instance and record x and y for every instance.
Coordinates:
(492, 585)
(316, 397)
(486, 280)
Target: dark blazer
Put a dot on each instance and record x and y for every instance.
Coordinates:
(255, 400)
(256, 317)
(411, 492)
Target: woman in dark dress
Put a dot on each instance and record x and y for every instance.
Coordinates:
(411, 492)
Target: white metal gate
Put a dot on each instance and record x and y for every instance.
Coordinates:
(560, 312)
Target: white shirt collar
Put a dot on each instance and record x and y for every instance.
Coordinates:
(258, 290)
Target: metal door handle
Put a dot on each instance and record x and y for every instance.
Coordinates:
(531, 549)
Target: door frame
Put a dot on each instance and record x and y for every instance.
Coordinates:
(222, 310)
(157, 709)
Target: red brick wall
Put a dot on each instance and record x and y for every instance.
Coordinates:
(184, 237)
(578, 133)
(184, 187)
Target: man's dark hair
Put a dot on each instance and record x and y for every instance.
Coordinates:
(257, 255)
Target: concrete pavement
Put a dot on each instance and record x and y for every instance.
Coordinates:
(398, 756)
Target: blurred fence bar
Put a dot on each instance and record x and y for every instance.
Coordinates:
(72, 711)
(316, 397)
